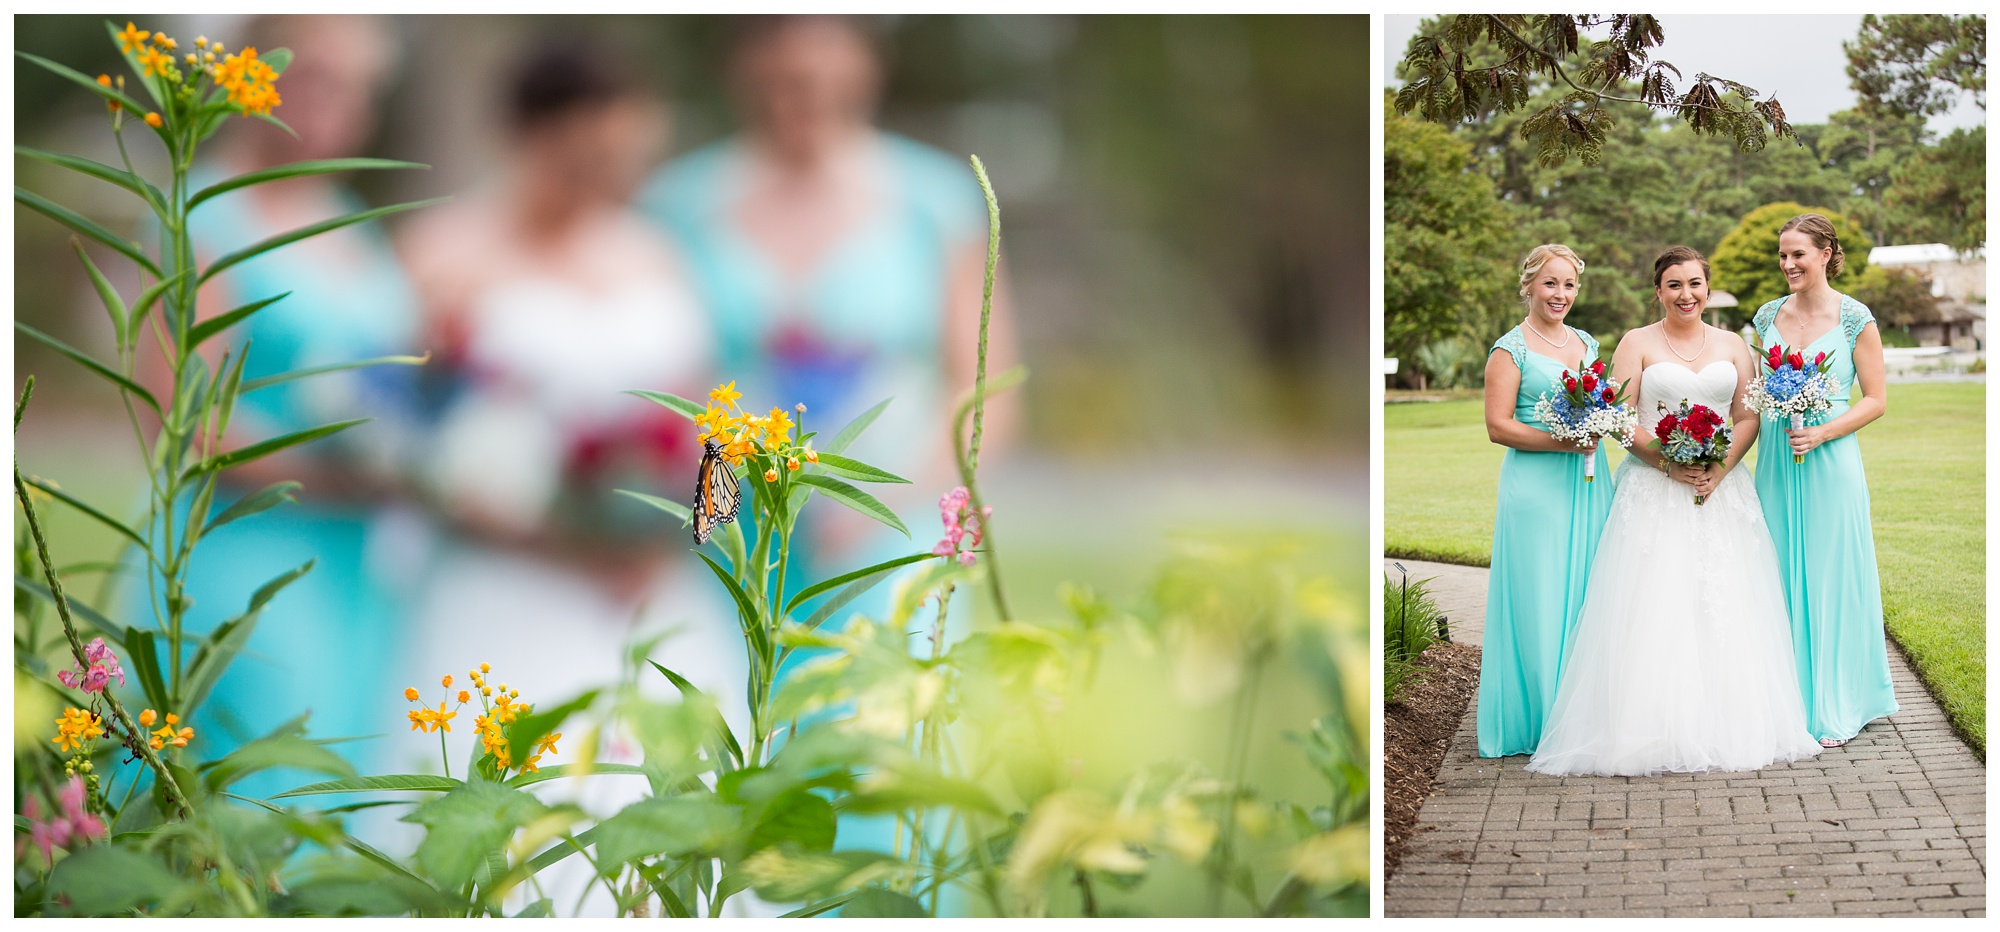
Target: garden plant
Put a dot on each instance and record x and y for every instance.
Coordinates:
(967, 744)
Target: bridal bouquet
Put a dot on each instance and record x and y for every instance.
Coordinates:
(1694, 435)
(1589, 409)
(1792, 387)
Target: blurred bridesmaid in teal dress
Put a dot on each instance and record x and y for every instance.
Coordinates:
(1545, 528)
(320, 644)
(1818, 509)
(841, 265)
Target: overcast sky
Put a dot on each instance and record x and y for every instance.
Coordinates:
(1796, 57)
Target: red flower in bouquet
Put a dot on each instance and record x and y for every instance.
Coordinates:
(1569, 382)
(1610, 397)
(1797, 359)
(1775, 357)
(1820, 359)
(1597, 367)
(1589, 382)
(1666, 427)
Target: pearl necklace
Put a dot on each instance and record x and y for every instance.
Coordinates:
(1545, 337)
(1670, 343)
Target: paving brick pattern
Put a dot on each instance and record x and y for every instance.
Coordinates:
(1892, 824)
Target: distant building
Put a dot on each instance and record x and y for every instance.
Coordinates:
(1958, 281)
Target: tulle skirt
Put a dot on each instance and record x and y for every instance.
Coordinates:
(1681, 661)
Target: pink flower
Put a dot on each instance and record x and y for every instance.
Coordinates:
(103, 666)
(73, 824)
(963, 528)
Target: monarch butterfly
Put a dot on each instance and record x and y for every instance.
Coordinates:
(716, 495)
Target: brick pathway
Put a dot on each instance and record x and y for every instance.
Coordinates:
(1892, 824)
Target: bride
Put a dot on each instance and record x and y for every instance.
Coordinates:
(1682, 659)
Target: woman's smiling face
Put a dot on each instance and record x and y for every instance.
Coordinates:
(1683, 291)
(1802, 262)
(1552, 291)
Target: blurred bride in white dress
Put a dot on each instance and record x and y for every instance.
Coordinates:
(547, 298)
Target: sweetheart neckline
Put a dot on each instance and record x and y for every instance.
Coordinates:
(1697, 372)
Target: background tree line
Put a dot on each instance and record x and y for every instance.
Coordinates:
(1463, 201)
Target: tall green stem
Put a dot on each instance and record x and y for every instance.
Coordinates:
(969, 463)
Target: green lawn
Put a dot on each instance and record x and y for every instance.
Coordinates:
(1926, 473)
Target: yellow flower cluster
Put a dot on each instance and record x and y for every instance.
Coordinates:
(502, 706)
(738, 433)
(250, 81)
(76, 726)
(165, 734)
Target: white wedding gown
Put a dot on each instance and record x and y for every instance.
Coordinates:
(1681, 661)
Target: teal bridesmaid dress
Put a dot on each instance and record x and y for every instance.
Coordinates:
(1544, 535)
(1818, 514)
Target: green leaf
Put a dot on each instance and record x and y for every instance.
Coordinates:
(227, 640)
(669, 506)
(784, 873)
(899, 792)
(220, 322)
(856, 469)
(819, 906)
(231, 391)
(852, 431)
(287, 238)
(539, 909)
(85, 81)
(796, 816)
(752, 621)
(295, 170)
(882, 903)
(723, 736)
(671, 402)
(258, 450)
(144, 655)
(845, 578)
(856, 499)
(103, 625)
(93, 365)
(144, 305)
(106, 295)
(270, 380)
(85, 226)
(559, 771)
(672, 826)
(468, 825)
(275, 751)
(528, 730)
(106, 880)
(263, 499)
(99, 170)
(415, 782)
(80, 505)
(563, 848)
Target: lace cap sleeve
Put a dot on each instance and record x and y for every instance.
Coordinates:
(1767, 316)
(1590, 347)
(1854, 317)
(1516, 345)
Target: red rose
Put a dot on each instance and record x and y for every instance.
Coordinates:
(1597, 367)
(1609, 395)
(1589, 382)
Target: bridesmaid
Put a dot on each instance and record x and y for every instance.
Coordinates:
(1545, 530)
(1818, 510)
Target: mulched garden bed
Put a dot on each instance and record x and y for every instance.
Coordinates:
(1417, 729)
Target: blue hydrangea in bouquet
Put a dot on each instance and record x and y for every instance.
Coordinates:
(1590, 408)
(1692, 435)
(1792, 387)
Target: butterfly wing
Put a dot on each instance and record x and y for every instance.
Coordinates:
(716, 494)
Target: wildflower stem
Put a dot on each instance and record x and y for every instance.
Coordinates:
(76, 643)
(969, 460)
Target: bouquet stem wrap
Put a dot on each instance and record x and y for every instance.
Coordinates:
(1798, 423)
